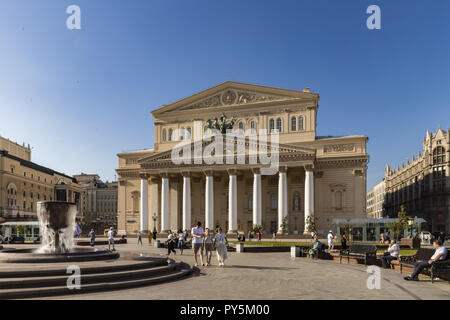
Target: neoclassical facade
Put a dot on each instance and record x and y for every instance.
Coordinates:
(422, 184)
(324, 176)
(24, 183)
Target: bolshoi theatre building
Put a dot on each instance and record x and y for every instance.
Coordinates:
(320, 176)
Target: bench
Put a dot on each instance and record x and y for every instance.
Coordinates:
(439, 269)
(319, 254)
(359, 251)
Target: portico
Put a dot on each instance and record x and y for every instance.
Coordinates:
(324, 176)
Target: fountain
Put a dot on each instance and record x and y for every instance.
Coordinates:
(57, 225)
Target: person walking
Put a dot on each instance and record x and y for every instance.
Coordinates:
(343, 241)
(259, 236)
(249, 236)
(92, 236)
(208, 245)
(220, 241)
(171, 243)
(197, 234)
(139, 238)
(111, 239)
(181, 238)
(330, 238)
(154, 233)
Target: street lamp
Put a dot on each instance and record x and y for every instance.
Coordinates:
(410, 224)
(154, 221)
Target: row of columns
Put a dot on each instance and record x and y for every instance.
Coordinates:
(232, 199)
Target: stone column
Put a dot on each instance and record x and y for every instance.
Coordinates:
(209, 200)
(232, 202)
(282, 196)
(144, 203)
(164, 202)
(154, 201)
(257, 197)
(186, 201)
(309, 194)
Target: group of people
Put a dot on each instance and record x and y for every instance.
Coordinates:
(110, 236)
(250, 236)
(176, 240)
(204, 241)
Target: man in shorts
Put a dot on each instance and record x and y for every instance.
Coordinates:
(197, 242)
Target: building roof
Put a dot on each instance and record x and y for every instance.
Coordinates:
(35, 166)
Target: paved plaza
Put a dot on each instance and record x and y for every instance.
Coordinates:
(257, 276)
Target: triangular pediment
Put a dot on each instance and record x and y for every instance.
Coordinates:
(230, 94)
(285, 151)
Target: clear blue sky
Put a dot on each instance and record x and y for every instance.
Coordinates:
(81, 97)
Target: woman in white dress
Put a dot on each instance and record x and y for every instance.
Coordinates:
(220, 241)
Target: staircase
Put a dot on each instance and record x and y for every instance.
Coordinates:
(53, 282)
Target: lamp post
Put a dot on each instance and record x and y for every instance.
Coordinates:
(154, 221)
(410, 224)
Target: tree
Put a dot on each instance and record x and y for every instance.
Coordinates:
(222, 124)
(398, 227)
(348, 229)
(257, 228)
(311, 223)
(284, 225)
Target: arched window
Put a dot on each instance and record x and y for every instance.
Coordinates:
(300, 123)
(273, 201)
(164, 135)
(438, 155)
(293, 124)
(253, 127)
(170, 134)
(279, 126)
(272, 125)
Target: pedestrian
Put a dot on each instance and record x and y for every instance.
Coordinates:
(249, 236)
(92, 235)
(440, 254)
(171, 243)
(154, 235)
(111, 239)
(343, 241)
(259, 236)
(221, 246)
(139, 238)
(197, 234)
(181, 238)
(208, 246)
(330, 238)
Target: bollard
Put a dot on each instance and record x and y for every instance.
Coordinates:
(295, 252)
(240, 248)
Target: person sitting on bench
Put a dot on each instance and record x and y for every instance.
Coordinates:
(440, 254)
(391, 254)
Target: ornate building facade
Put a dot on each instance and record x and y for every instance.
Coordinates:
(23, 183)
(422, 185)
(99, 202)
(375, 201)
(324, 176)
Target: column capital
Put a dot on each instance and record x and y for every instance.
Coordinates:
(309, 167)
(208, 172)
(164, 175)
(256, 170)
(144, 175)
(186, 174)
(154, 179)
(282, 169)
(232, 172)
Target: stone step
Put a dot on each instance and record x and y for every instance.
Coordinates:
(52, 281)
(62, 271)
(22, 293)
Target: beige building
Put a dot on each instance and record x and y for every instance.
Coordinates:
(321, 175)
(376, 201)
(23, 183)
(422, 185)
(99, 202)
